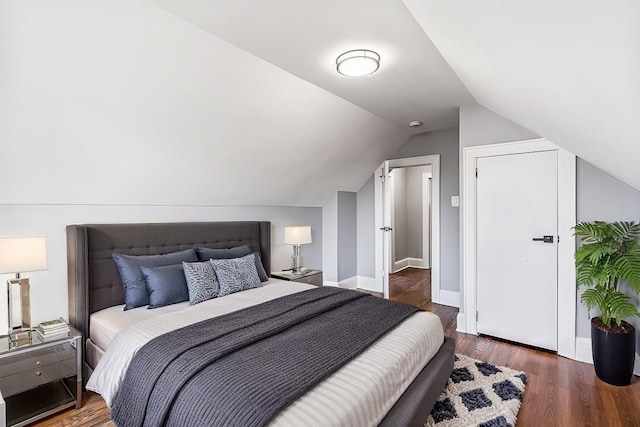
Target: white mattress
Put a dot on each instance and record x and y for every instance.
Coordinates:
(359, 394)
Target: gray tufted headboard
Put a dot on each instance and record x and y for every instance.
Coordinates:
(94, 281)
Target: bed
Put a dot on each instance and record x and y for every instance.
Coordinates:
(96, 294)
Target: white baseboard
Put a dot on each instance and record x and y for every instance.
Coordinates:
(408, 262)
(449, 298)
(461, 321)
(401, 265)
(368, 284)
(416, 262)
(583, 354)
(350, 283)
(583, 350)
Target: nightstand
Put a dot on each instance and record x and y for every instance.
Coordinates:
(312, 277)
(39, 377)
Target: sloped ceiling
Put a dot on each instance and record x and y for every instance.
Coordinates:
(119, 102)
(235, 102)
(568, 71)
(122, 102)
(304, 38)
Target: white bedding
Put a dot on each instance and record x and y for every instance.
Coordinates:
(359, 394)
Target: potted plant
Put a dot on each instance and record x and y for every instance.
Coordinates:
(609, 255)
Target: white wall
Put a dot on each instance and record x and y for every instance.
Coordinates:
(49, 288)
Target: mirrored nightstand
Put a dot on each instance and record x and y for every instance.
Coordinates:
(312, 277)
(39, 377)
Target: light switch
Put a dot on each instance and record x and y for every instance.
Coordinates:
(455, 201)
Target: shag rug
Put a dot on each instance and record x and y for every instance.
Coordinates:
(479, 394)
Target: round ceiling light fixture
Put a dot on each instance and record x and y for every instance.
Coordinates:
(358, 63)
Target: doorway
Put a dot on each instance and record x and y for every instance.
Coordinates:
(384, 242)
(410, 222)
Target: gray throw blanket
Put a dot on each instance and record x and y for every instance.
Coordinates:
(243, 368)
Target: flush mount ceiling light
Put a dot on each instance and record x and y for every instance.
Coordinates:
(358, 63)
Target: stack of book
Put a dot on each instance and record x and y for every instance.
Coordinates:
(52, 328)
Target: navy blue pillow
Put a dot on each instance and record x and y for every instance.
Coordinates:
(205, 254)
(135, 287)
(262, 274)
(166, 285)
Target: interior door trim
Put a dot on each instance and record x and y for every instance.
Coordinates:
(566, 246)
(382, 273)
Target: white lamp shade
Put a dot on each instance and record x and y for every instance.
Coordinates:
(20, 254)
(300, 235)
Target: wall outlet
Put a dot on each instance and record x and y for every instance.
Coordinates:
(455, 201)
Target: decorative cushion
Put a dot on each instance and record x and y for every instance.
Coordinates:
(262, 274)
(205, 254)
(201, 281)
(166, 285)
(235, 275)
(135, 287)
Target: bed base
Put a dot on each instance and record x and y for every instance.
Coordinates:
(415, 404)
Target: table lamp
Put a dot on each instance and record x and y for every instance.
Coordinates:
(17, 255)
(296, 236)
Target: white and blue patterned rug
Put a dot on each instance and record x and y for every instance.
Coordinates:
(479, 394)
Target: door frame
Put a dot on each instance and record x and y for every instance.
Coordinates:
(566, 245)
(426, 228)
(392, 221)
(381, 203)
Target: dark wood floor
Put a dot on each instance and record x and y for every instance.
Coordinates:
(559, 392)
(411, 286)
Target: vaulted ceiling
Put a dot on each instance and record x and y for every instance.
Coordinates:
(566, 70)
(238, 102)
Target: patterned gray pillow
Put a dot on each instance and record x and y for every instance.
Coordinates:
(201, 281)
(235, 275)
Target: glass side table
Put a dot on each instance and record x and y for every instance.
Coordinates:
(39, 377)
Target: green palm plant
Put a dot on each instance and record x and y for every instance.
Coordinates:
(610, 253)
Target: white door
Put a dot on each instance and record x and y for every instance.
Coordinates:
(386, 228)
(516, 273)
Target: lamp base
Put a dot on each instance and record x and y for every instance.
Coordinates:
(19, 310)
(296, 264)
